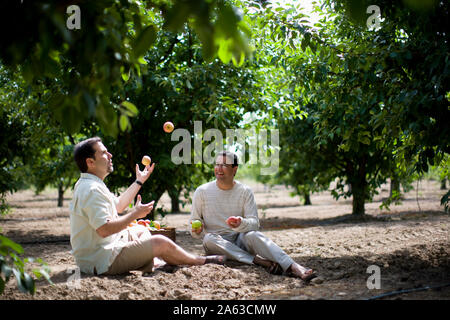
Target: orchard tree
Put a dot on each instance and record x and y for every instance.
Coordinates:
(84, 73)
(353, 83)
(13, 143)
(411, 47)
(89, 48)
(304, 164)
(183, 88)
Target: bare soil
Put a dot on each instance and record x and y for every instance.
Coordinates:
(409, 243)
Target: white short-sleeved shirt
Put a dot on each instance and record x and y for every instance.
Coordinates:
(92, 206)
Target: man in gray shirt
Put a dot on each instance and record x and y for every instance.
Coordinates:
(230, 223)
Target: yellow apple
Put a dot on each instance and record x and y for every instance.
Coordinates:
(157, 225)
(146, 160)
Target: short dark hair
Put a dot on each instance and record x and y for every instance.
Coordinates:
(83, 150)
(230, 155)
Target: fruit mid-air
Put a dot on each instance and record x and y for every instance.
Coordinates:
(146, 160)
(168, 127)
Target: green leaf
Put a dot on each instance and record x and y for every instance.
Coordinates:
(126, 76)
(241, 61)
(6, 242)
(176, 16)
(44, 273)
(123, 122)
(143, 42)
(29, 284)
(20, 283)
(6, 270)
(142, 60)
(224, 52)
(71, 119)
(133, 110)
(107, 118)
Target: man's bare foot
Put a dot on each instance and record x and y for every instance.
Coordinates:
(301, 272)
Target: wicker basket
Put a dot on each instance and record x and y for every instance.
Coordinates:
(169, 232)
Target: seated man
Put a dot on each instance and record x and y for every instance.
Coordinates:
(229, 217)
(102, 242)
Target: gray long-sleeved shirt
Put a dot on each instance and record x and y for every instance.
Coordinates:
(212, 206)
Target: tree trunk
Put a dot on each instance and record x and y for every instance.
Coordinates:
(174, 201)
(395, 187)
(358, 187)
(307, 198)
(358, 203)
(443, 184)
(60, 195)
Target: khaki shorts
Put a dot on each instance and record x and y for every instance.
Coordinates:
(136, 255)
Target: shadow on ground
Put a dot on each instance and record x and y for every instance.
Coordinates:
(347, 276)
(277, 223)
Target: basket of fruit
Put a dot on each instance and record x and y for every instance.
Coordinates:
(169, 232)
(156, 228)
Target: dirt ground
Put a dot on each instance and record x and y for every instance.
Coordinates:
(409, 243)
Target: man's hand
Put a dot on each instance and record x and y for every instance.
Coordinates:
(143, 175)
(114, 226)
(197, 230)
(128, 196)
(141, 209)
(197, 226)
(234, 221)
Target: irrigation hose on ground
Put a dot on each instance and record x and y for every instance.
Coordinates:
(393, 293)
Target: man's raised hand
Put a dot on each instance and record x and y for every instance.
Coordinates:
(143, 175)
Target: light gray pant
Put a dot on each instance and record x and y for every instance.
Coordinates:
(245, 246)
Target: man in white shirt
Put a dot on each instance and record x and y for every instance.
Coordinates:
(230, 223)
(102, 241)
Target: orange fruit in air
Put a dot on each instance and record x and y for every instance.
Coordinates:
(168, 127)
(146, 160)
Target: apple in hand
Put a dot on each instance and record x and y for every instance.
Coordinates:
(196, 224)
(233, 221)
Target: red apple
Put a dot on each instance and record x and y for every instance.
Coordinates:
(232, 220)
(142, 222)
